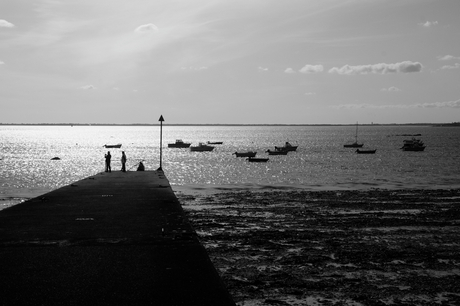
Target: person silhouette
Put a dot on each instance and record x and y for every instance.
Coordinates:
(140, 167)
(123, 161)
(108, 157)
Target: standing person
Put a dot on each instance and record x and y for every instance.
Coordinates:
(108, 157)
(123, 161)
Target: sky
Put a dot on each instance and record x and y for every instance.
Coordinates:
(230, 61)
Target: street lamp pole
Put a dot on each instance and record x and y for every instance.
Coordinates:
(161, 141)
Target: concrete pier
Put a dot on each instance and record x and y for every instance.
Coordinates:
(118, 238)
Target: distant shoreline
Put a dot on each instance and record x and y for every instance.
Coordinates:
(453, 124)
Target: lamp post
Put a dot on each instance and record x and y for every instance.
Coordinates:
(161, 141)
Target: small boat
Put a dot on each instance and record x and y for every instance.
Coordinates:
(287, 147)
(201, 147)
(179, 144)
(270, 152)
(257, 160)
(365, 151)
(413, 144)
(113, 146)
(215, 142)
(245, 154)
(354, 144)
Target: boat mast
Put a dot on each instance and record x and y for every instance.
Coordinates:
(356, 134)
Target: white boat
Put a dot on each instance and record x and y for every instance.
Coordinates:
(201, 147)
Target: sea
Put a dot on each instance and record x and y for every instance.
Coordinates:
(28, 167)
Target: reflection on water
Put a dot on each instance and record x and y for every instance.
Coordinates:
(320, 162)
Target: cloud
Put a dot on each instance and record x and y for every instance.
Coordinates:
(446, 104)
(88, 87)
(312, 69)
(455, 66)
(289, 70)
(392, 88)
(147, 28)
(382, 68)
(1, 62)
(263, 69)
(6, 24)
(448, 58)
(428, 24)
(310, 93)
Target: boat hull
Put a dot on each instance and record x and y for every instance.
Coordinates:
(245, 154)
(179, 144)
(365, 151)
(414, 149)
(257, 160)
(183, 145)
(277, 152)
(288, 148)
(201, 147)
(117, 146)
(195, 149)
(413, 145)
(353, 145)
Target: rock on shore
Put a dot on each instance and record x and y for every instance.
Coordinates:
(375, 247)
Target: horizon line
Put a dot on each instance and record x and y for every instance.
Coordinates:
(228, 124)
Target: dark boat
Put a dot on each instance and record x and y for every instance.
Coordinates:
(413, 144)
(287, 147)
(354, 144)
(245, 154)
(414, 148)
(179, 144)
(113, 146)
(277, 152)
(365, 151)
(257, 160)
(215, 142)
(201, 147)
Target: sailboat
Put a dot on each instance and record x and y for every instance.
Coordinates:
(354, 144)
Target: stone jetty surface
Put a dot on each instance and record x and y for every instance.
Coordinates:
(118, 238)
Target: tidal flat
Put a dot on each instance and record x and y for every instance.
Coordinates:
(373, 247)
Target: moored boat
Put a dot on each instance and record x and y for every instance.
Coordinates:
(215, 142)
(179, 144)
(245, 154)
(365, 151)
(113, 146)
(201, 147)
(257, 160)
(270, 152)
(413, 144)
(287, 147)
(354, 144)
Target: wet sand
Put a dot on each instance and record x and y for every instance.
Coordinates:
(375, 247)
